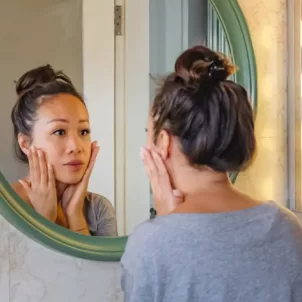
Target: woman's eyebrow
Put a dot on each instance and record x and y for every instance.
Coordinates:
(66, 121)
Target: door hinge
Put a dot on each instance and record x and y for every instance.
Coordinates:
(118, 20)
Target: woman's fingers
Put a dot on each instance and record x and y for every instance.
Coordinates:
(43, 168)
(26, 185)
(166, 199)
(30, 162)
(149, 163)
(36, 174)
(178, 197)
(161, 168)
(94, 153)
(51, 176)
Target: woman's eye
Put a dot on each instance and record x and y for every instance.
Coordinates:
(85, 132)
(59, 132)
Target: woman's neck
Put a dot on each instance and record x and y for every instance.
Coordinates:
(60, 187)
(196, 181)
(207, 191)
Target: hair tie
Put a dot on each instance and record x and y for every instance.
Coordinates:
(212, 67)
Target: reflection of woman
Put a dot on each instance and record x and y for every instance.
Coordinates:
(210, 242)
(51, 126)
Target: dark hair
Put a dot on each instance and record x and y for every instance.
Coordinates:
(32, 88)
(210, 115)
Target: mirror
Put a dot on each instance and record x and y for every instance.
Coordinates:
(67, 43)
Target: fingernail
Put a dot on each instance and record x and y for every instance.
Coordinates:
(154, 154)
(177, 193)
(142, 152)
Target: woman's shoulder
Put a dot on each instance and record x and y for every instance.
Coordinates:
(100, 215)
(145, 236)
(97, 199)
(100, 205)
(287, 221)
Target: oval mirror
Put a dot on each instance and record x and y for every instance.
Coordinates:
(219, 24)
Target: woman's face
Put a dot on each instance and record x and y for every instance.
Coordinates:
(62, 131)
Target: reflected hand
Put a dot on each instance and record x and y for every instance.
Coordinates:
(41, 188)
(74, 195)
(166, 199)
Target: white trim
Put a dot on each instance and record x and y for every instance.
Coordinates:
(136, 96)
(120, 127)
(98, 77)
(294, 108)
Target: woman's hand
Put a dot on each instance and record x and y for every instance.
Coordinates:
(74, 196)
(166, 199)
(41, 187)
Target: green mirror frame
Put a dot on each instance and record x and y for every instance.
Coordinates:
(55, 237)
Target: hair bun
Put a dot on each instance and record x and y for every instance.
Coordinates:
(200, 65)
(37, 77)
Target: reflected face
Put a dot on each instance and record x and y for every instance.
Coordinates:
(62, 131)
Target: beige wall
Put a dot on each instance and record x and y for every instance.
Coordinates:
(267, 20)
(33, 33)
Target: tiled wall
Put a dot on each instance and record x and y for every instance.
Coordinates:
(32, 273)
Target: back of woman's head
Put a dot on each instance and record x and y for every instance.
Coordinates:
(210, 115)
(32, 89)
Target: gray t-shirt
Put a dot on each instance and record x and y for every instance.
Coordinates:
(100, 215)
(252, 255)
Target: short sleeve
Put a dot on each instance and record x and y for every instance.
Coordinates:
(105, 217)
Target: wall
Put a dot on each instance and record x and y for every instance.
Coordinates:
(30, 272)
(266, 179)
(51, 33)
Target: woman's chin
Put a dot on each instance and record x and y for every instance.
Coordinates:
(70, 179)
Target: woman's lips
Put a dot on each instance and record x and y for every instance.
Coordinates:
(74, 165)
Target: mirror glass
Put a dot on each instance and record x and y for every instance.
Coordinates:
(49, 32)
(52, 33)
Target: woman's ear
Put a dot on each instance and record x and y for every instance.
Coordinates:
(163, 144)
(24, 142)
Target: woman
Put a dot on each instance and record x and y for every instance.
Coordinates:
(52, 134)
(209, 242)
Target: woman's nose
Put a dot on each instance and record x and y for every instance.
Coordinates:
(74, 145)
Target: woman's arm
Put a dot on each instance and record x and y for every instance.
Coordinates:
(78, 224)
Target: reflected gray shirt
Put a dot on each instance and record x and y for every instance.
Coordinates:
(100, 215)
(252, 255)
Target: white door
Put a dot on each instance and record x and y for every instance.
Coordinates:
(116, 88)
(99, 89)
